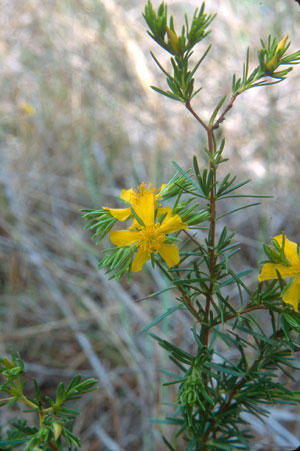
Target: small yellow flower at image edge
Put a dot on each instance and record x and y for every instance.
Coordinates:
(148, 234)
(291, 295)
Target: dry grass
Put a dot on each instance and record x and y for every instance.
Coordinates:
(84, 67)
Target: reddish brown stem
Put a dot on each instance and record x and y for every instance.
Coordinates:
(190, 305)
(242, 312)
(189, 107)
(191, 237)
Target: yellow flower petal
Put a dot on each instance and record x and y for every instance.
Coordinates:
(140, 258)
(172, 224)
(290, 249)
(119, 213)
(162, 211)
(144, 208)
(269, 271)
(123, 237)
(141, 201)
(170, 253)
(292, 294)
(127, 194)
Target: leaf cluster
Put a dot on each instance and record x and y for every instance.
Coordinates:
(214, 391)
(100, 222)
(270, 58)
(56, 420)
(117, 261)
(181, 82)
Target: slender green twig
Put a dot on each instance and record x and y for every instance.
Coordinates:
(221, 118)
(212, 201)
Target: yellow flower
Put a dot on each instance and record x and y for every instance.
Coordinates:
(134, 198)
(150, 236)
(27, 109)
(292, 294)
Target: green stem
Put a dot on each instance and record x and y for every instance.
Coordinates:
(28, 402)
(221, 118)
(21, 395)
(212, 256)
(212, 201)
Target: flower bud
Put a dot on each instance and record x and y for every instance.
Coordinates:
(57, 428)
(174, 40)
(282, 44)
(272, 64)
(7, 363)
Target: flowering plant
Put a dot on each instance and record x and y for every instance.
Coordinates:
(214, 392)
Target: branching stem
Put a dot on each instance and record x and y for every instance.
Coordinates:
(242, 312)
(239, 385)
(193, 112)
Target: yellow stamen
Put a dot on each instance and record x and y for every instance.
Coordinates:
(140, 191)
(150, 239)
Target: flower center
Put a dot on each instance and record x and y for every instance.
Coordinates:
(151, 239)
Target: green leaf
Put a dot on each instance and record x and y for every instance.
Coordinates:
(293, 319)
(187, 176)
(168, 444)
(166, 93)
(224, 369)
(216, 110)
(238, 209)
(168, 420)
(219, 445)
(161, 317)
(235, 187)
(13, 442)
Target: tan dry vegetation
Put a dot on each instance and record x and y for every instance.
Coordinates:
(84, 66)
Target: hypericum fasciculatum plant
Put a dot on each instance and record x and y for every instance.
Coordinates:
(162, 225)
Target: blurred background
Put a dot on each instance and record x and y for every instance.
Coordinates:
(78, 124)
